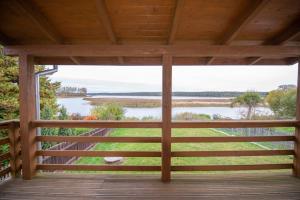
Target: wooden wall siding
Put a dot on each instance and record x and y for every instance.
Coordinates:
(153, 22)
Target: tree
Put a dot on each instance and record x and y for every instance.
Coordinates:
(47, 114)
(9, 88)
(109, 111)
(63, 115)
(250, 99)
(282, 102)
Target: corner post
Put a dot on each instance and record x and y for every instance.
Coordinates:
(166, 117)
(14, 149)
(296, 168)
(27, 114)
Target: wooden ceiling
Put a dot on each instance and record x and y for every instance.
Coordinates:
(152, 22)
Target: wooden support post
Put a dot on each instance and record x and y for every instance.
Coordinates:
(296, 169)
(166, 118)
(27, 114)
(14, 149)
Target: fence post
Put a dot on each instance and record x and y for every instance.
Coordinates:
(14, 149)
(296, 168)
(166, 118)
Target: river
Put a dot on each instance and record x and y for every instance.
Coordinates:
(78, 105)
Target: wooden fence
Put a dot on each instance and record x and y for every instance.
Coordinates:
(73, 146)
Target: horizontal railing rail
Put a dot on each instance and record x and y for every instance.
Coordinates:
(157, 124)
(98, 167)
(94, 124)
(96, 139)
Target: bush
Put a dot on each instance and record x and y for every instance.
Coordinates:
(90, 117)
(109, 111)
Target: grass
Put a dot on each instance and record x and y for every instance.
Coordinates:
(181, 147)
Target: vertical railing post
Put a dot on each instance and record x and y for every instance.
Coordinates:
(296, 169)
(14, 149)
(166, 117)
(27, 114)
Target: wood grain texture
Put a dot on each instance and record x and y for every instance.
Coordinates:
(231, 153)
(107, 23)
(250, 186)
(296, 169)
(94, 124)
(4, 141)
(233, 139)
(80, 153)
(166, 117)
(31, 11)
(244, 18)
(232, 51)
(232, 167)
(14, 149)
(235, 124)
(174, 26)
(96, 139)
(27, 114)
(97, 167)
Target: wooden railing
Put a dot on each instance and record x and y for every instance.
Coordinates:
(10, 161)
(176, 124)
(13, 140)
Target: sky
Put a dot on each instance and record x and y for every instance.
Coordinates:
(185, 78)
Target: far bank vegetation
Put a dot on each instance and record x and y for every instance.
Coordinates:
(71, 92)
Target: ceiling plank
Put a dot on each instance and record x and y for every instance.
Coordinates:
(292, 31)
(106, 21)
(33, 12)
(174, 25)
(243, 20)
(230, 51)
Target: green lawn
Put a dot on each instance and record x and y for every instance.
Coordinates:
(181, 147)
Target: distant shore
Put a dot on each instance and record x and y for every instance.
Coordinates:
(149, 103)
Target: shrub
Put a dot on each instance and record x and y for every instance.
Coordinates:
(109, 111)
(91, 117)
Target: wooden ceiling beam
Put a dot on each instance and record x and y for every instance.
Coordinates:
(244, 19)
(4, 40)
(30, 9)
(282, 38)
(271, 51)
(174, 25)
(106, 21)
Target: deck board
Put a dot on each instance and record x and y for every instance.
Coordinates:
(227, 186)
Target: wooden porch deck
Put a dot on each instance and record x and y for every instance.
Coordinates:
(227, 186)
